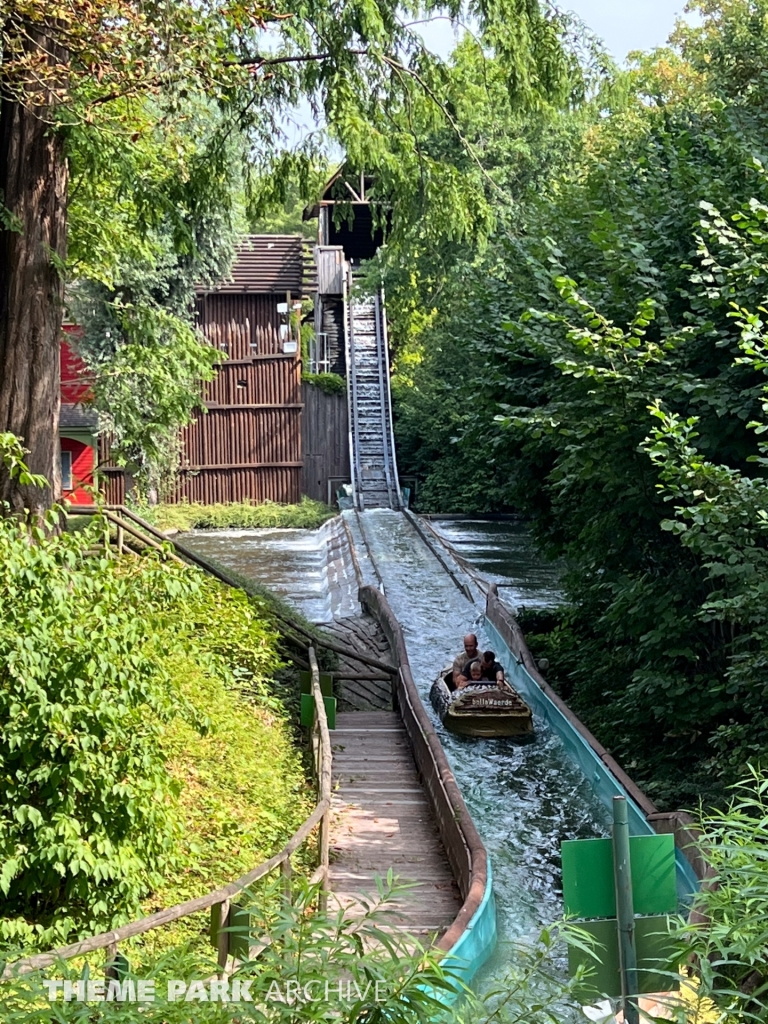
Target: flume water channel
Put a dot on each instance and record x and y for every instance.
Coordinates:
(523, 799)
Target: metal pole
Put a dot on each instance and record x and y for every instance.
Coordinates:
(625, 911)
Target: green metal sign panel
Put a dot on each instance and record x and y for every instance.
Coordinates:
(655, 948)
(239, 927)
(326, 683)
(588, 885)
(308, 710)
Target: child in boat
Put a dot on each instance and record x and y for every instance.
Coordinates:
(472, 673)
(486, 670)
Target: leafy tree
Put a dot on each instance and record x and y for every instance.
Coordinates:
(135, 258)
(78, 75)
(608, 290)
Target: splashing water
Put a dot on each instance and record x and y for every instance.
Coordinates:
(524, 799)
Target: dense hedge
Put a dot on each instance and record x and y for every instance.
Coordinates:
(141, 741)
(307, 515)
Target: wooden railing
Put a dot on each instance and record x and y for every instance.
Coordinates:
(220, 901)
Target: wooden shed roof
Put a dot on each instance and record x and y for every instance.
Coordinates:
(265, 264)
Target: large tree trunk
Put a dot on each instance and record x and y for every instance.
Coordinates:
(33, 190)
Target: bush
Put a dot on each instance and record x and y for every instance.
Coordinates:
(307, 515)
(242, 788)
(148, 759)
(728, 936)
(86, 820)
(330, 383)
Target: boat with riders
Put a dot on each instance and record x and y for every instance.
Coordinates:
(473, 698)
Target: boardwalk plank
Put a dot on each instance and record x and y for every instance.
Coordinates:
(382, 820)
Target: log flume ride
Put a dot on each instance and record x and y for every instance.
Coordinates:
(469, 940)
(482, 710)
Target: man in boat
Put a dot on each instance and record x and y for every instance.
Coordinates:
(491, 668)
(470, 653)
(486, 669)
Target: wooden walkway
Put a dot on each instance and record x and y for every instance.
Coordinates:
(381, 815)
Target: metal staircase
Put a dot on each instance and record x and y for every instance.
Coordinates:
(371, 442)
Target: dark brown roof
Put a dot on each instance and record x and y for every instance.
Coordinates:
(265, 264)
(76, 416)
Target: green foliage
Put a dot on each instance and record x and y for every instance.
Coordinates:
(242, 789)
(306, 951)
(87, 824)
(169, 165)
(137, 255)
(330, 383)
(631, 276)
(12, 454)
(314, 965)
(307, 515)
(146, 748)
(727, 935)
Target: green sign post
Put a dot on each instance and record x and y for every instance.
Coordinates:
(606, 883)
(308, 701)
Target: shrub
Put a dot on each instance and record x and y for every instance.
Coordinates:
(307, 515)
(330, 383)
(86, 821)
(728, 935)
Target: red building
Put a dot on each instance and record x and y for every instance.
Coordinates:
(77, 428)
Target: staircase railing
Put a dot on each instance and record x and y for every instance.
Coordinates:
(352, 397)
(390, 426)
(381, 361)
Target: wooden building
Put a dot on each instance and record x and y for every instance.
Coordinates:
(77, 427)
(265, 435)
(247, 446)
(346, 235)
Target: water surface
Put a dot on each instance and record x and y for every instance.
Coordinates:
(524, 799)
(504, 553)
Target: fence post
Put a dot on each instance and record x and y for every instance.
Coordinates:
(324, 775)
(286, 870)
(222, 937)
(625, 911)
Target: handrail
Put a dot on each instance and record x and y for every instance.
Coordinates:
(358, 500)
(381, 358)
(463, 845)
(321, 744)
(388, 390)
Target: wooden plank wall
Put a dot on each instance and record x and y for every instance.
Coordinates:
(248, 445)
(325, 442)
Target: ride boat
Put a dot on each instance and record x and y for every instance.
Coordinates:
(482, 710)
